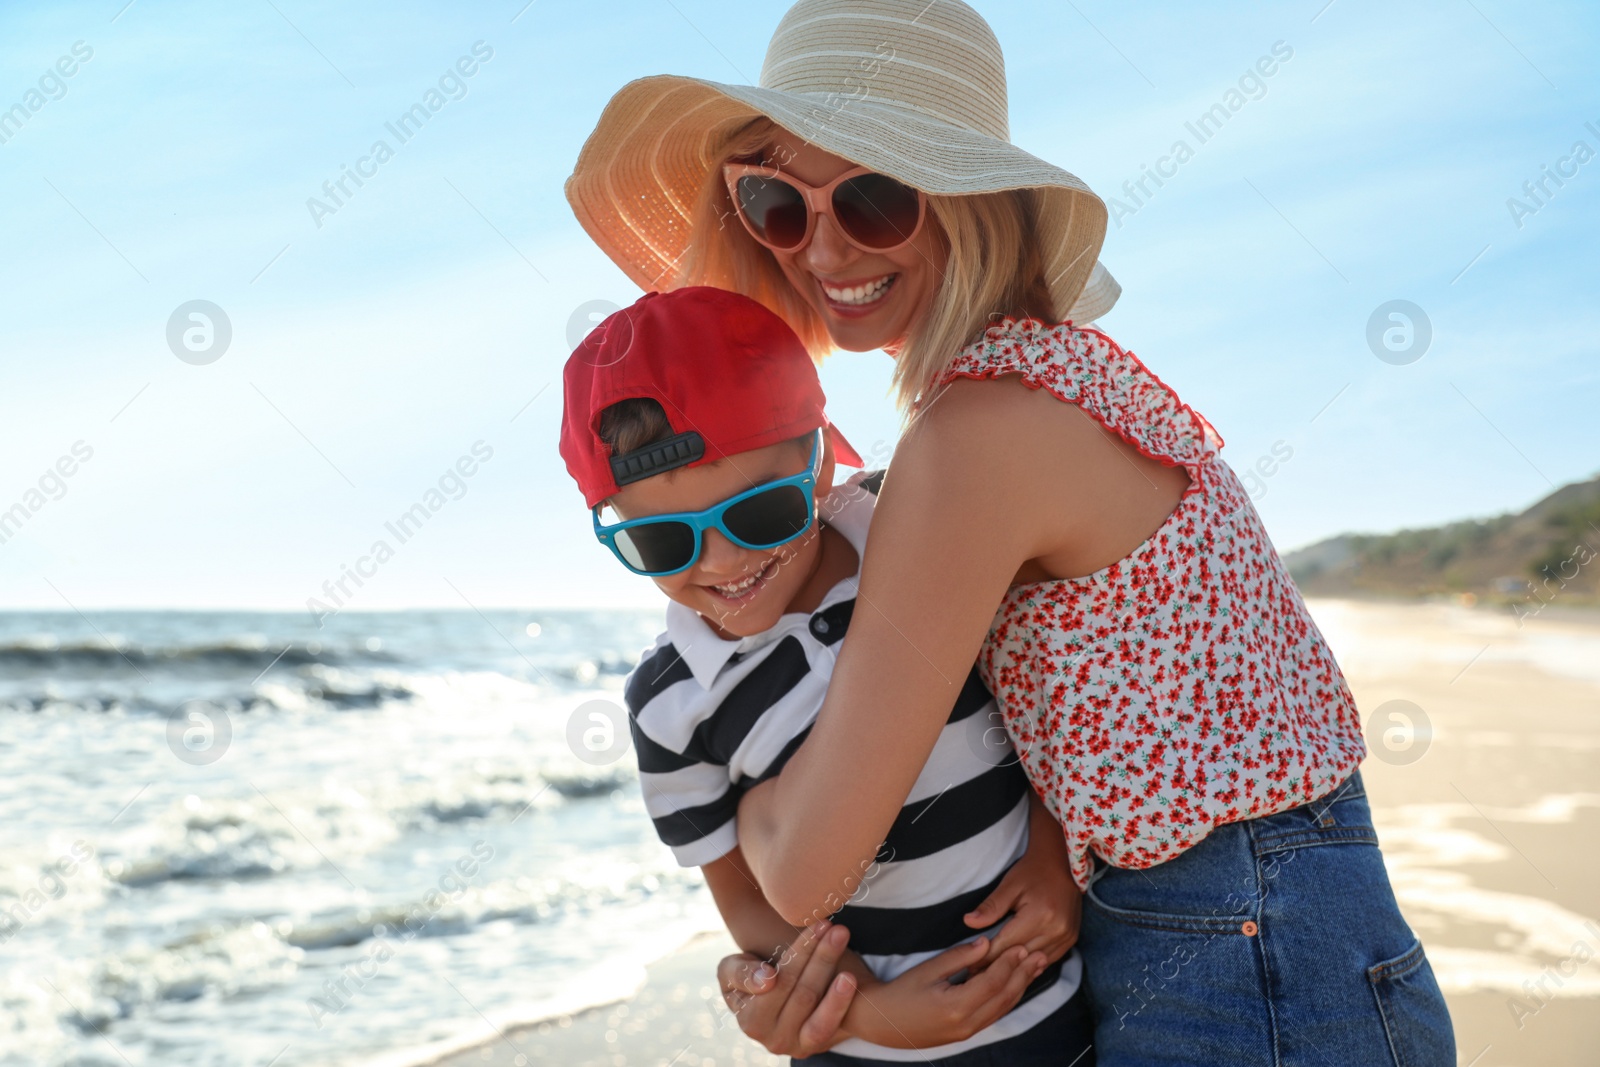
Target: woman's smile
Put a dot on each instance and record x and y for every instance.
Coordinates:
(867, 300)
(857, 297)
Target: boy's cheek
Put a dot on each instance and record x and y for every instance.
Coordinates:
(683, 588)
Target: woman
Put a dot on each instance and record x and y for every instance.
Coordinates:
(1054, 510)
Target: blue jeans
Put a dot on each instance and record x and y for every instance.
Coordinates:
(1274, 942)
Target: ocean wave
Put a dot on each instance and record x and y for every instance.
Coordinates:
(254, 654)
(256, 954)
(242, 653)
(585, 671)
(228, 962)
(311, 686)
(456, 907)
(266, 836)
(341, 688)
(593, 783)
(49, 701)
(224, 839)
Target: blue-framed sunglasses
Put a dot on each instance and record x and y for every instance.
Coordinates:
(772, 514)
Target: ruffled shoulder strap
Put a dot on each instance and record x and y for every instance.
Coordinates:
(1082, 366)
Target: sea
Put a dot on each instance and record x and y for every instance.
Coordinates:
(233, 838)
(244, 839)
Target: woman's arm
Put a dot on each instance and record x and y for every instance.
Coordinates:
(992, 478)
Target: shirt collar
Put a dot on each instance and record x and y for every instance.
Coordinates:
(702, 649)
(848, 509)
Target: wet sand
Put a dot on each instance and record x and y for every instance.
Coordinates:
(1487, 802)
(671, 1021)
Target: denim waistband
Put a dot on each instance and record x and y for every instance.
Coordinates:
(1317, 822)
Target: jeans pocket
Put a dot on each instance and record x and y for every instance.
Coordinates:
(1170, 989)
(1413, 1010)
(1212, 888)
(1219, 921)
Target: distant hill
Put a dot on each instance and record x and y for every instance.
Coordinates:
(1552, 549)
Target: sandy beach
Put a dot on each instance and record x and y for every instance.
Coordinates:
(1485, 785)
(673, 1020)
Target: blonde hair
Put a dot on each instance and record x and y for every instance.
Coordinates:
(981, 236)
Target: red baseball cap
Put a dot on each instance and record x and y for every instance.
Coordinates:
(730, 375)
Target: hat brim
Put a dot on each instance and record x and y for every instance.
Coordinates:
(640, 174)
(843, 451)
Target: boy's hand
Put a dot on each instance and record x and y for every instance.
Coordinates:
(921, 1008)
(1039, 892)
(796, 1011)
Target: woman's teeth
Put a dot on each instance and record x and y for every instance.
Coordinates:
(865, 293)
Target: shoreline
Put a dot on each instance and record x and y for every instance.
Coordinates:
(587, 996)
(1572, 607)
(619, 988)
(668, 1018)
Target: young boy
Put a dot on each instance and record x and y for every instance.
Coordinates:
(696, 418)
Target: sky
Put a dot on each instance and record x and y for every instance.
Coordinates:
(381, 350)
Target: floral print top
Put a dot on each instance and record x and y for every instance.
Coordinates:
(1183, 687)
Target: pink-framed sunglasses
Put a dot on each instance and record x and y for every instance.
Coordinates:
(872, 211)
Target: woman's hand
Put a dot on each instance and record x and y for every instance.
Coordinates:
(1038, 891)
(796, 1008)
(922, 1008)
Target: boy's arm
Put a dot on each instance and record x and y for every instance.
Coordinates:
(1045, 904)
(755, 924)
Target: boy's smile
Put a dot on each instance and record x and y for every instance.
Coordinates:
(738, 591)
(746, 586)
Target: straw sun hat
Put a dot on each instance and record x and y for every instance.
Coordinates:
(915, 89)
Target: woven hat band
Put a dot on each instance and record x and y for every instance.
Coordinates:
(937, 57)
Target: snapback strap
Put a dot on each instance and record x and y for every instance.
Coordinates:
(679, 450)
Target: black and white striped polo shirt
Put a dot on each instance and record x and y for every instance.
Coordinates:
(712, 717)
